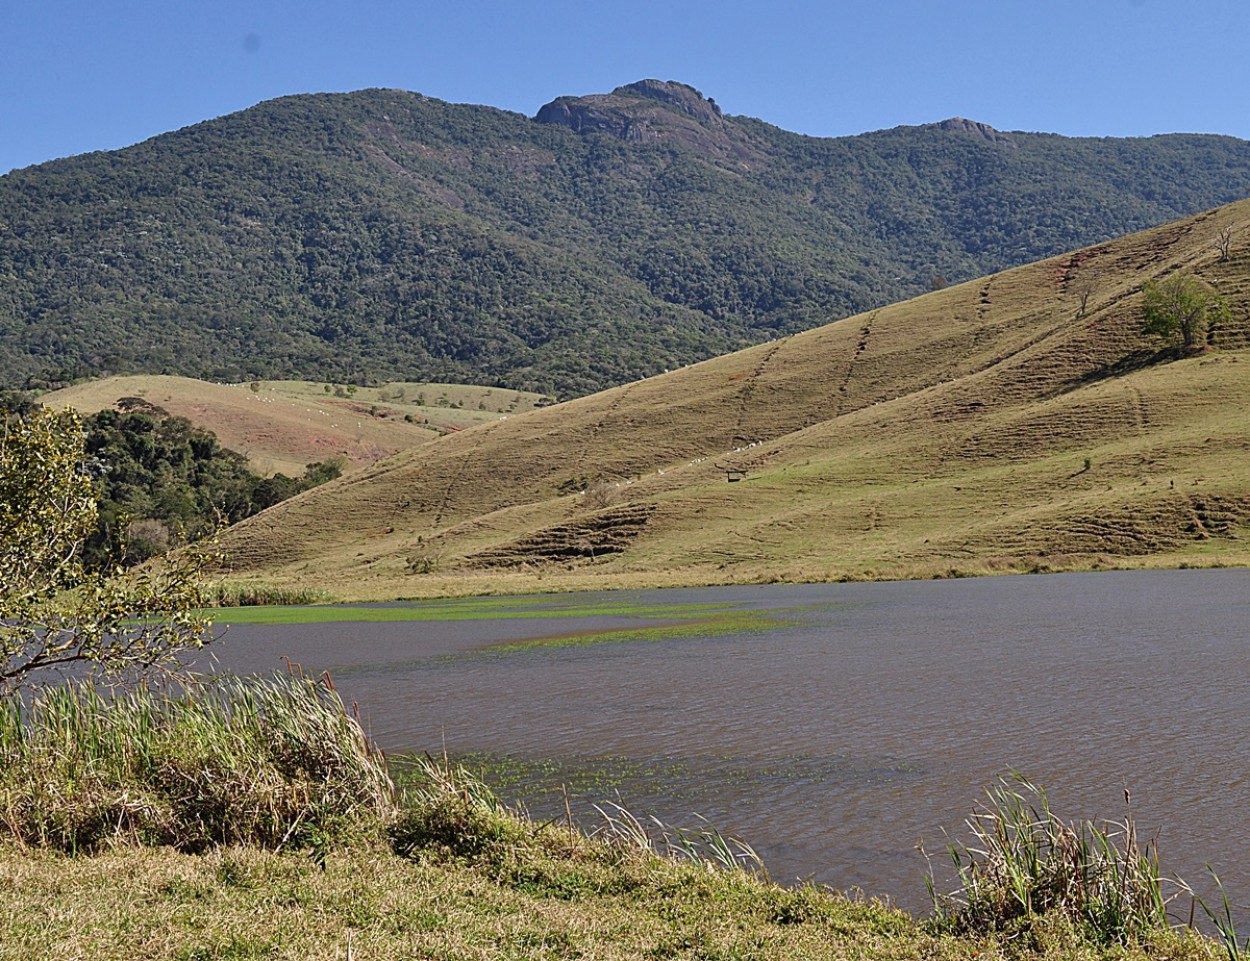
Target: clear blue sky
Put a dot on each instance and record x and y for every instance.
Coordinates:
(79, 75)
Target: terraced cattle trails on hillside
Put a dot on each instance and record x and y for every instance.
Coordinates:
(1021, 422)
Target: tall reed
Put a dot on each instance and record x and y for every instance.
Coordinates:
(706, 846)
(1221, 917)
(269, 761)
(1025, 862)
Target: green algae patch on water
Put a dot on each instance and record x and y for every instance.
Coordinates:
(653, 621)
(722, 625)
(682, 621)
(471, 609)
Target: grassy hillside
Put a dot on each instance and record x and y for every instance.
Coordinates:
(382, 235)
(990, 426)
(284, 426)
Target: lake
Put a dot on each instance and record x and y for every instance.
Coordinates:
(834, 727)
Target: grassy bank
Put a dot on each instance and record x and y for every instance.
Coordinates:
(369, 903)
(273, 762)
(382, 588)
(319, 856)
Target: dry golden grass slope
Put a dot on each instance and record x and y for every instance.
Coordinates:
(287, 425)
(985, 427)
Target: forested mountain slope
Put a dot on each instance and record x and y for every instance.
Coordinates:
(383, 235)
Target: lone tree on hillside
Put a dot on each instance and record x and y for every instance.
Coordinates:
(55, 611)
(1181, 304)
(1224, 241)
(1085, 276)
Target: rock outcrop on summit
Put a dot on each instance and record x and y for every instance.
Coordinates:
(976, 129)
(653, 111)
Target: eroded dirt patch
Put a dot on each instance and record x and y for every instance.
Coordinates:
(595, 535)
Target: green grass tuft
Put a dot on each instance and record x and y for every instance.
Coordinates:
(1026, 864)
(272, 762)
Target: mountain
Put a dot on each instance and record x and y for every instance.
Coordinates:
(386, 236)
(1018, 422)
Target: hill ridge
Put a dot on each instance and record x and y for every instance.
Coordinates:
(993, 425)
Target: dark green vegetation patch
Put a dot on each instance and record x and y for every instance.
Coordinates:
(383, 235)
(161, 481)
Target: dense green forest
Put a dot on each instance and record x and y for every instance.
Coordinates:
(383, 235)
(161, 482)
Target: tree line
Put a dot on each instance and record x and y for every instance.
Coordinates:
(160, 482)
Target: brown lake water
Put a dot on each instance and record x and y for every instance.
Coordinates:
(873, 718)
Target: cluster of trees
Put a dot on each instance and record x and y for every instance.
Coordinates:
(386, 236)
(162, 481)
(159, 482)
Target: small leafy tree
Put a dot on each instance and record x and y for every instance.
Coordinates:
(55, 611)
(1181, 304)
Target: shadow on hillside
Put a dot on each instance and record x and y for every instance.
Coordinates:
(1129, 363)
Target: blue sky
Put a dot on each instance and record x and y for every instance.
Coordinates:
(79, 75)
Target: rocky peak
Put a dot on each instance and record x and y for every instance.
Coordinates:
(976, 129)
(651, 111)
(682, 96)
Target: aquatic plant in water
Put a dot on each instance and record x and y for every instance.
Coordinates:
(1024, 862)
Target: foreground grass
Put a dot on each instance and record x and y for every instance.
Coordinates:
(253, 822)
(272, 762)
(369, 902)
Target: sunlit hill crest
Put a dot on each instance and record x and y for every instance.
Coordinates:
(1022, 421)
